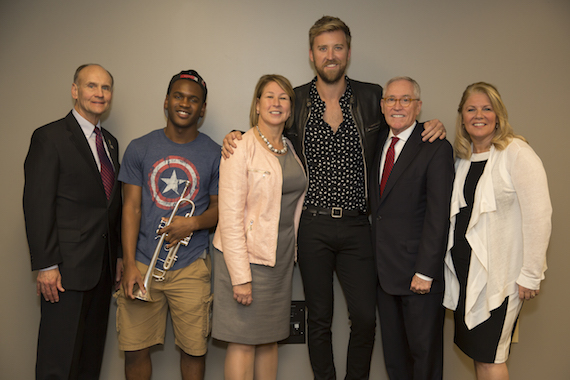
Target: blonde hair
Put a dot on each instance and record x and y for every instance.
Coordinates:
(504, 132)
(264, 81)
(328, 24)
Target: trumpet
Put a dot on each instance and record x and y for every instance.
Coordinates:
(152, 271)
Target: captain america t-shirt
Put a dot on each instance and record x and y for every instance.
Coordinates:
(161, 168)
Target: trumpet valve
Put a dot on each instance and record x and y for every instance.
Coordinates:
(186, 240)
(159, 274)
(161, 225)
(169, 261)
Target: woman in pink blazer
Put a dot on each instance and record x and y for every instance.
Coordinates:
(261, 192)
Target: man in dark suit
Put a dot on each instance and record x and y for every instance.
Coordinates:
(411, 184)
(72, 209)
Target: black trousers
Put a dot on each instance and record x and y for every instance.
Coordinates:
(326, 245)
(72, 332)
(412, 335)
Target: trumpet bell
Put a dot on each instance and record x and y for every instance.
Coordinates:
(139, 294)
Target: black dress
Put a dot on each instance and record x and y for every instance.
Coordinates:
(481, 342)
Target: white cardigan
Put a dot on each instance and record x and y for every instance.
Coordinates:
(508, 231)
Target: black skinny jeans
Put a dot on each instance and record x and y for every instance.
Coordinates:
(344, 245)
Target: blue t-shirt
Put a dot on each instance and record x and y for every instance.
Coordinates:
(161, 167)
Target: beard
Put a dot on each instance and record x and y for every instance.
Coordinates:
(331, 77)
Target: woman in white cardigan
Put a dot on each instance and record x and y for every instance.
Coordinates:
(499, 231)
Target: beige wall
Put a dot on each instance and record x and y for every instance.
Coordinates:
(519, 45)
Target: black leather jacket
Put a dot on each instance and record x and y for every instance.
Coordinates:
(366, 112)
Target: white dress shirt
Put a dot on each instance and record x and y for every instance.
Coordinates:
(403, 138)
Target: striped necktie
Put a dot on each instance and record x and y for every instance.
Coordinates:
(107, 172)
(388, 164)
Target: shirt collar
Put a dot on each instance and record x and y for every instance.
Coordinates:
(85, 125)
(405, 135)
(314, 94)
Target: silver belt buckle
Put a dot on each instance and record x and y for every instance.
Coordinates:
(336, 212)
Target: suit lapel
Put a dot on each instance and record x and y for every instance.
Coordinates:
(112, 149)
(407, 155)
(80, 142)
(376, 171)
(78, 139)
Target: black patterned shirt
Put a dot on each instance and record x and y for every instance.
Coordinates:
(334, 160)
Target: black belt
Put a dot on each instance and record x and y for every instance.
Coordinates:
(335, 212)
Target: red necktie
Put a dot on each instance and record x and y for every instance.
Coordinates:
(388, 164)
(107, 172)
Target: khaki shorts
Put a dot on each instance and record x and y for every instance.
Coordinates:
(186, 293)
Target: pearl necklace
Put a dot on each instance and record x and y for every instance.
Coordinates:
(271, 148)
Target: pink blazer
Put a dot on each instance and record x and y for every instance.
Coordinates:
(249, 206)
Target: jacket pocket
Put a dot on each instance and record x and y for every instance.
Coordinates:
(373, 128)
(261, 172)
(259, 180)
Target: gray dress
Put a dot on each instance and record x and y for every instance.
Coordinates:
(266, 320)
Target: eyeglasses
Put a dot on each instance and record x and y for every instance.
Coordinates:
(404, 102)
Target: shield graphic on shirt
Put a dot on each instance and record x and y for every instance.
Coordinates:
(167, 179)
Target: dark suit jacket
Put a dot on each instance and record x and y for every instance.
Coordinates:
(69, 221)
(410, 221)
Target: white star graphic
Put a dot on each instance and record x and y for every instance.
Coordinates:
(172, 183)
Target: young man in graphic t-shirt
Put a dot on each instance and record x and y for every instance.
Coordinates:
(155, 171)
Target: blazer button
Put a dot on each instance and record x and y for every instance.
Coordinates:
(104, 236)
